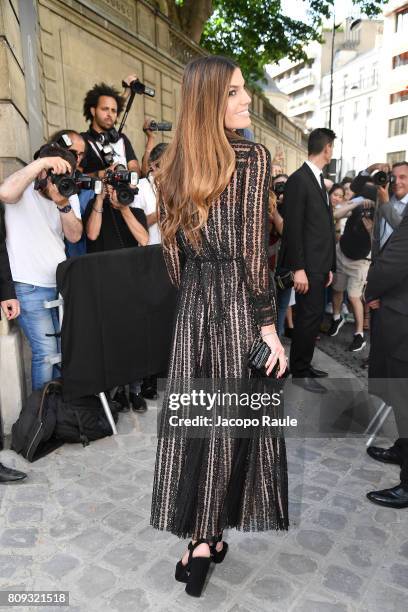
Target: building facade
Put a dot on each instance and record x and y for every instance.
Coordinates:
(300, 81)
(394, 74)
(356, 111)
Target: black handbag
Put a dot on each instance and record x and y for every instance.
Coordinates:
(257, 358)
(284, 280)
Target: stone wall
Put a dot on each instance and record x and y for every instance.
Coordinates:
(83, 42)
(14, 147)
(86, 41)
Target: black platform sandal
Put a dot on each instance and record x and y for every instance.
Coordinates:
(195, 571)
(182, 571)
(218, 556)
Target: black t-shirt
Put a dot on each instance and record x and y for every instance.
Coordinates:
(355, 242)
(93, 161)
(114, 233)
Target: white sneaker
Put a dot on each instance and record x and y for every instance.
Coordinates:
(344, 310)
(329, 308)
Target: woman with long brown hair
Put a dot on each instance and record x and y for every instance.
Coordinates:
(213, 189)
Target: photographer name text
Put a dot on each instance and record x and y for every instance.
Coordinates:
(205, 421)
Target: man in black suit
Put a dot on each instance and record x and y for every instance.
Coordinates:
(387, 295)
(11, 309)
(308, 250)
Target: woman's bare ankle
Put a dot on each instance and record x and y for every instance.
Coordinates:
(202, 550)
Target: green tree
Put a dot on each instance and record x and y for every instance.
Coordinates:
(253, 32)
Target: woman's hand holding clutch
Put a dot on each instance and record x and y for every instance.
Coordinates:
(271, 338)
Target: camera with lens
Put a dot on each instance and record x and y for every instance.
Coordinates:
(69, 184)
(279, 188)
(381, 178)
(123, 182)
(139, 88)
(365, 213)
(105, 141)
(160, 126)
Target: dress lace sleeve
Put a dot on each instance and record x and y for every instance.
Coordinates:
(255, 235)
(171, 256)
(172, 259)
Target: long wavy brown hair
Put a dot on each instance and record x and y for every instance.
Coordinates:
(199, 162)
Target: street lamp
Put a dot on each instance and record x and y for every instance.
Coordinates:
(342, 126)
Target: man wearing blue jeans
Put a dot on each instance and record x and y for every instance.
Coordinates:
(39, 325)
(37, 218)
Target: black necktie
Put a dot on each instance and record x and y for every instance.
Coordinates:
(323, 186)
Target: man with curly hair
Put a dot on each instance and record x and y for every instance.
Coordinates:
(102, 106)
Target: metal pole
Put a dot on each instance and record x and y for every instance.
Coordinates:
(342, 133)
(108, 413)
(386, 411)
(331, 68)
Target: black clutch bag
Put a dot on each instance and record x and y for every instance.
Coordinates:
(257, 358)
(284, 280)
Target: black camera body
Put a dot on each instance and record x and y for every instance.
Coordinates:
(381, 178)
(366, 213)
(279, 188)
(160, 126)
(139, 88)
(83, 181)
(124, 183)
(105, 141)
(71, 183)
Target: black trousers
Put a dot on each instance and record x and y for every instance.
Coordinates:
(309, 315)
(388, 379)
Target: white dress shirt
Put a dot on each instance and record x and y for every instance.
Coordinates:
(386, 229)
(317, 173)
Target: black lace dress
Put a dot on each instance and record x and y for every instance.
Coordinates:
(202, 486)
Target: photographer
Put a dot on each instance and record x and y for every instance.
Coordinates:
(392, 199)
(277, 219)
(352, 262)
(73, 141)
(110, 225)
(150, 145)
(37, 219)
(102, 105)
(146, 197)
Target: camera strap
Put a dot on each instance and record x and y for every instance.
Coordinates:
(94, 147)
(127, 109)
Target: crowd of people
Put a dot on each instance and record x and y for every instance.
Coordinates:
(352, 245)
(329, 245)
(43, 226)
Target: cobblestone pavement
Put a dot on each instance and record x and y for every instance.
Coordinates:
(337, 348)
(81, 523)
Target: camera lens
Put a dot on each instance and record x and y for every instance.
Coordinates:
(381, 178)
(66, 185)
(125, 195)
